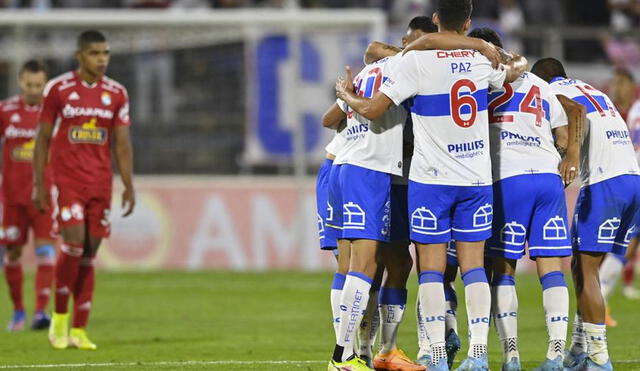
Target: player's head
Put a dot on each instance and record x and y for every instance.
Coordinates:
(418, 26)
(486, 34)
(32, 79)
(622, 88)
(548, 69)
(93, 53)
(453, 15)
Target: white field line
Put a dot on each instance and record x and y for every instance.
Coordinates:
(194, 363)
(162, 363)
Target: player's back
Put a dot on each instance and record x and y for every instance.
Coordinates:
(522, 115)
(608, 151)
(374, 144)
(449, 113)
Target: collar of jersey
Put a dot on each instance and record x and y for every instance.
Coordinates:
(557, 78)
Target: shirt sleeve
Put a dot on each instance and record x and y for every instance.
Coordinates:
(497, 77)
(344, 107)
(404, 80)
(558, 116)
(122, 115)
(50, 106)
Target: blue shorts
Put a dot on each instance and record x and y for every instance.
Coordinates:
(441, 213)
(366, 203)
(399, 213)
(333, 224)
(322, 199)
(529, 208)
(606, 216)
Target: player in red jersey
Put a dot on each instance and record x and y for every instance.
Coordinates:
(18, 122)
(89, 111)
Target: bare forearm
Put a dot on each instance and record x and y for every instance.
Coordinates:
(40, 155)
(124, 160)
(445, 42)
(378, 50)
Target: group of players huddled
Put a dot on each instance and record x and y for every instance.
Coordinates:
(57, 138)
(450, 144)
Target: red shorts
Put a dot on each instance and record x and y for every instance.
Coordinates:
(17, 219)
(89, 206)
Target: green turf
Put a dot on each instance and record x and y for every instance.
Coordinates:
(179, 317)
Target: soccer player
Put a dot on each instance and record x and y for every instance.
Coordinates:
(18, 123)
(529, 202)
(450, 172)
(329, 241)
(89, 112)
(606, 210)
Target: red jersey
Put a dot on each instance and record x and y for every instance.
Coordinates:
(18, 124)
(84, 116)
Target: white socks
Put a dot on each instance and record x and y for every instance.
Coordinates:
(505, 314)
(597, 340)
(424, 346)
(578, 337)
(336, 292)
(478, 302)
(369, 325)
(451, 306)
(610, 272)
(353, 302)
(432, 306)
(555, 299)
(392, 304)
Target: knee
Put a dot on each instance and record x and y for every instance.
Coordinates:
(13, 254)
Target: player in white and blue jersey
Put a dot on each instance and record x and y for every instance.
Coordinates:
(450, 193)
(529, 204)
(328, 241)
(606, 215)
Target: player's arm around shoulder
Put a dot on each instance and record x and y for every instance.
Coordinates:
(377, 50)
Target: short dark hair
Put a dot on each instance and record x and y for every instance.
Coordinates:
(454, 13)
(33, 65)
(486, 34)
(548, 69)
(90, 36)
(624, 72)
(423, 23)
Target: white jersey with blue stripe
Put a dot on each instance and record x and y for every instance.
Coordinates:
(607, 151)
(373, 144)
(335, 146)
(521, 117)
(449, 114)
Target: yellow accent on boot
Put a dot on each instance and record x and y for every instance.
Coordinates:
(78, 338)
(354, 364)
(59, 330)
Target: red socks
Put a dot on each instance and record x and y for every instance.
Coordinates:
(66, 273)
(13, 275)
(83, 293)
(44, 280)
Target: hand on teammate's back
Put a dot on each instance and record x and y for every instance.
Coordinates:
(569, 167)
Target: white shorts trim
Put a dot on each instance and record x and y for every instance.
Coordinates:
(430, 233)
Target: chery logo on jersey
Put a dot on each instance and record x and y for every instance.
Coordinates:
(24, 152)
(89, 133)
(70, 111)
(13, 132)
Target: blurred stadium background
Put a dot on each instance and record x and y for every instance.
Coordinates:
(225, 92)
(226, 98)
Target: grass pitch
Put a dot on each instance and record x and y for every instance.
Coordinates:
(252, 321)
